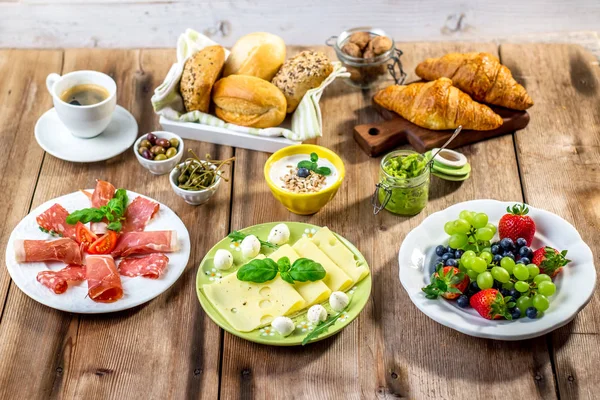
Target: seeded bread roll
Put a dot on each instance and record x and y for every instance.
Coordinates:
(301, 73)
(199, 75)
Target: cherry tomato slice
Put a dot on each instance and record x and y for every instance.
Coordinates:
(105, 244)
(84, 236)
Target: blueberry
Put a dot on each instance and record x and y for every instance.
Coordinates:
(462, 301)
(440, 250)
(495, 249)
(497, 258)
(521, 242)
(514, 293)
(507, 244)
(520, 262)
(438, 261)
(525, 251)
(525, 260)
(531, 312)
(450, 250)
(515, 313)
(446, 256)
(451, 262)
(508, 254)
(504, 292)
(303, 172)
(474, 287)
(458, 254)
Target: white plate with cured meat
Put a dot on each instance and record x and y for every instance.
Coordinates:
(153, 248)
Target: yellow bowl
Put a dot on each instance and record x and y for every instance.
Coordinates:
(305, 203)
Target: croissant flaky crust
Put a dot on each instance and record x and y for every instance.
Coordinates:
(437, 105)
(480, 75)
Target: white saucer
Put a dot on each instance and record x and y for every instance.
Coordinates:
(55, 138)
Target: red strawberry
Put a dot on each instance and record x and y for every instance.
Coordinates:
(489, 303)
(517, 224)
(447, 282)
(549, 260)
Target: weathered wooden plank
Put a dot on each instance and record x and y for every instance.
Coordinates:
(391, 349)
(24, 98)
(564, 138)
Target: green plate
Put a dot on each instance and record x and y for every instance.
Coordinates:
(359, 293)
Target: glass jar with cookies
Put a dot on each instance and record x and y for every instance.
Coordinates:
(369, 55)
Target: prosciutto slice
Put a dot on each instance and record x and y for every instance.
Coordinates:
(146, 243)
(102, 194)
(151, 266)
(55, 219)
(139, 212)
(59, 281)
(65, 250)
(104, 282)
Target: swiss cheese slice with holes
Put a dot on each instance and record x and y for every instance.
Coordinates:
(339, 254)
(248, 306)
(336, 279)
(312, 292)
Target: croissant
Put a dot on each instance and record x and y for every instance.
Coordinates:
(437, 105)
(480, 75)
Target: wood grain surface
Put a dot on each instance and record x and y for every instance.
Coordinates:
(169, 348)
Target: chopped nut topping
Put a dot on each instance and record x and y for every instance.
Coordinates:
(311, 184)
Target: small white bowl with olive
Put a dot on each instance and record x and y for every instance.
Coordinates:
(159, 152)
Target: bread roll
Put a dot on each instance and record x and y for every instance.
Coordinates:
(258, 54)
(199, 75)
(249, 101)
(301, 73)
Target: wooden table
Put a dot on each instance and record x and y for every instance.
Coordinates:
(169, 348)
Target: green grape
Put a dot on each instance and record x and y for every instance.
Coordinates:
(523, 303)
(471, 247)
(500, 274)
(467, 215)
(479, 264)
(508, 264)
(468, 263)
(468, 254)
(488, 249)
(546, 288)
(541, 302)
(480, 220)
(484, 234)
(521, 286)
(541, 278)
(492, 227)
(472, 274)
(461, 226)
(485, 280)
(521, 272)
(508, 285)
(487, 256)
(458, 240)
(449, 227)
(534, 270)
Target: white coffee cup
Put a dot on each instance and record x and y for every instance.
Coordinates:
(83, 121)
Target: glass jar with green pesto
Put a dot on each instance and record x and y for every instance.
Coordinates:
(403, 186)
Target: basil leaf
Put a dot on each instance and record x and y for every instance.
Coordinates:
(115, 226)
(258, 271)
(284, 264)
(314, 157)
(304, 270)
(323, 171)
(306, 164)
(287, 277)
(84, 216)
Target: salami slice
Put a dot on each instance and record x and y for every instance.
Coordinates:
(65, 250)
(59, 281)
(103, 192)
(139, 212)
(146, 243)
(151, 266)
(104, 282)
(54, 219)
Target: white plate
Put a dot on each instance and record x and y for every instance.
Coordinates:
(575, 284)
(136, 290)
(55, 138)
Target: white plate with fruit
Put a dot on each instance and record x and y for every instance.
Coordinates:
(503, 278)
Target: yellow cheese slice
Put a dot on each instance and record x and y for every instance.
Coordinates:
(339, 254)
(336, 279)
(248, 306)
(311, 292)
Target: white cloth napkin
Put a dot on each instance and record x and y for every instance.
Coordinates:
(167, 102)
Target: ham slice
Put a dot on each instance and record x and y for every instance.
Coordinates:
(139, 212)
(151, 266)
(59, 281)
(103, 193)
(55, 219)
(65, 250)
(104, 282)
(146, 243)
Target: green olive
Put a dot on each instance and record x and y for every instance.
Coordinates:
(145, 143)
(174, 142)
(157, 150)
(141, 150)
(160, 157)
(171, 152)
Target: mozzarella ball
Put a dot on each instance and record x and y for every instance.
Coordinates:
(338, 301)
(280, 234)
(250, 246)
(316, 314)
(283, 325)
(223, 259)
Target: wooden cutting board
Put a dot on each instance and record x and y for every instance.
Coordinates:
(385, 136)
